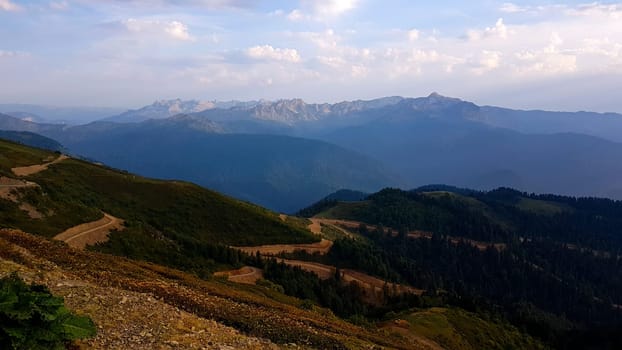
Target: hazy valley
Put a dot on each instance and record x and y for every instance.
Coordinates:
(326, 174)
(437, 266)
(286, 154)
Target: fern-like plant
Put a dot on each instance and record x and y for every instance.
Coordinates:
(32, 318)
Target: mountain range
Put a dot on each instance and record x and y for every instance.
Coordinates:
(167, 108)
(177, 257)
(288, 153)
(434, 267)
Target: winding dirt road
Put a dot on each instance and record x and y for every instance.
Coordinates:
(374, 287)
(315, 226)
(33, 169)
(91, 232)
(321, 247)
(245, 275)
(7, 187)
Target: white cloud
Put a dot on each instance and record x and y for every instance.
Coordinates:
(167, 4)
(331, 7)
(59, 5)
(550, 60)
(487, 61)
(267, 52)
(177, 30)
(544, 64)
(332, 61)
(326, 40)
(528, 45)
(613, 11)
(603, 47)
(509, 7)
(297, 15)
(321, 10)
(7, 5)
(554, 43)
(413, 34)
(499, 30)
(173, 29)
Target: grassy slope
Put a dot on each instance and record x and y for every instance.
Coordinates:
(13, 155)
(541, 207)
(344, 210)
(168, 206)
(31, 139)
(168, 222)
(457, 329)
(174, 206)
(364, 210)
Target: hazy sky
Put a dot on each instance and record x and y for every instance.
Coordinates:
(130, 52)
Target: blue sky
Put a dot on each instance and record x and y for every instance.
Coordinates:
(127, 53)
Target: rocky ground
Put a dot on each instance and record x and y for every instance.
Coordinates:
(143, 306)
(132, 320)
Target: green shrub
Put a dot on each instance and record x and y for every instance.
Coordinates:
(32, 318)
(272, 286)
(306, 304)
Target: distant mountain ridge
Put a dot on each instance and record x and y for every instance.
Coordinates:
(290, 115)
(162, 109)
(12, 123)
(408, 141)
(296, 110)
(288, 111)
(32, 140)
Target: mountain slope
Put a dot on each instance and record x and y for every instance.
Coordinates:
(178, 225)
(442, 146)
(143, 306)
(551, 263)
(279, 172)
(31, 139)
(169, 222)
(604, 125)
(10, 123)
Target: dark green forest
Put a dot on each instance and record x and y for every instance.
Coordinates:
(555, 271)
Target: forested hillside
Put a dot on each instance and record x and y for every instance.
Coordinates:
(551, 264)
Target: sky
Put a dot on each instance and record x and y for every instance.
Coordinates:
(129, 53)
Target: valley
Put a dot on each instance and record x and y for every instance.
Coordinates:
(142, 254)
(286, 154)
(310, 175)
(415, 266)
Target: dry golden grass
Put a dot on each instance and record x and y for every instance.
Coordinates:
(246, 310)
